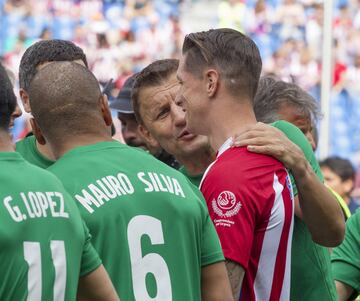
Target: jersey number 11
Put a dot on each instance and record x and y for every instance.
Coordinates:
(32, 254)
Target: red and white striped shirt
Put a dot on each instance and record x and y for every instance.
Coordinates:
(250, 201)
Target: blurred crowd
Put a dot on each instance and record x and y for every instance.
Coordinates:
(118, 36)
(122, 36)
(289, 35)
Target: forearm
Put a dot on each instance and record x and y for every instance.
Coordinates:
(236, 275)
(96, 286)
(215, 284)
(319, 208)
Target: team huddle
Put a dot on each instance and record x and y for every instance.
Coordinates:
(245, 217)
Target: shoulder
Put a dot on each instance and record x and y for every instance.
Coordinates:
(24, 143)
(41, 175)
(239, 161)
(294, 134)
(238, 167)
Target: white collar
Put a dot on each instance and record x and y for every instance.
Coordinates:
(227, 144)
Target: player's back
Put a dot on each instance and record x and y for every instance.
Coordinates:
(149, 227)
(42, 235)
(250, 201)
(29, 151)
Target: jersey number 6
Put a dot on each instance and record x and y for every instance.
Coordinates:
(150, 263)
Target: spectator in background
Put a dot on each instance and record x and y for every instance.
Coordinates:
(290, 15)
(340, 174)
(232, 14)
(279, 100)
(122, 104)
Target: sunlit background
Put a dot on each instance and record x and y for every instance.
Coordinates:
(120, 37)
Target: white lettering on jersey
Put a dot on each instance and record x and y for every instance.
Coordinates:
(103, 190)
(160, 183)
(14, 211)
(36, 205)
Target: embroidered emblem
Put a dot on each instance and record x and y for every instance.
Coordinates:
(226, 204)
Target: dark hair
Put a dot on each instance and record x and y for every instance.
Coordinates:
(233, 54)
(47, 51)
(272, 93)
(153, 75)
(65, 101)
(342, 167)
(7, 99)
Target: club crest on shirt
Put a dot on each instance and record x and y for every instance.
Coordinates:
(226, 204)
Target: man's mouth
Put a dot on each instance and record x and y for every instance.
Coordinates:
(185, 135)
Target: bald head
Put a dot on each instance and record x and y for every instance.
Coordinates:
(66, 100)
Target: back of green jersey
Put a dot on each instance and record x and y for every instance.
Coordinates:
(28, 150)
(145, 219)
(43, 239)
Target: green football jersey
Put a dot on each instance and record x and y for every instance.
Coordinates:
(345, 258)
(311, 277)
(45, 245)
(28, 149)
(195, 180)
(151, 230)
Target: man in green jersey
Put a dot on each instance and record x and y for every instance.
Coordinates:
(161, 118)
(345, 261)
(274, 100)
(46, 252)
(149, 226)
(34, 58)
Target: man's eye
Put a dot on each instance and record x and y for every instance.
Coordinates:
(162, 113)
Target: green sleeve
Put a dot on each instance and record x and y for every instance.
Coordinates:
(211, 251)
(295, 135)
(345, 259)
(90, 260)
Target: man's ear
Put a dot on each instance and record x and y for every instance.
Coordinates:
(37, 132)
(212, 82)
(25, 100)
(105, 110)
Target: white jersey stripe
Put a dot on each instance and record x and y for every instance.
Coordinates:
(205, 173)
(285, 292)
(268, 256)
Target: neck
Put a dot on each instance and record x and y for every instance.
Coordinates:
(6, 144)
(198, 162)
(45, 150)
(239, 114)
(78, 140)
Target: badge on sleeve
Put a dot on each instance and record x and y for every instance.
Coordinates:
(226, 204)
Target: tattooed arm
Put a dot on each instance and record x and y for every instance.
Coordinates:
(215, 284)
(236, 276)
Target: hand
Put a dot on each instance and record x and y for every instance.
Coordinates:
(268, 140)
